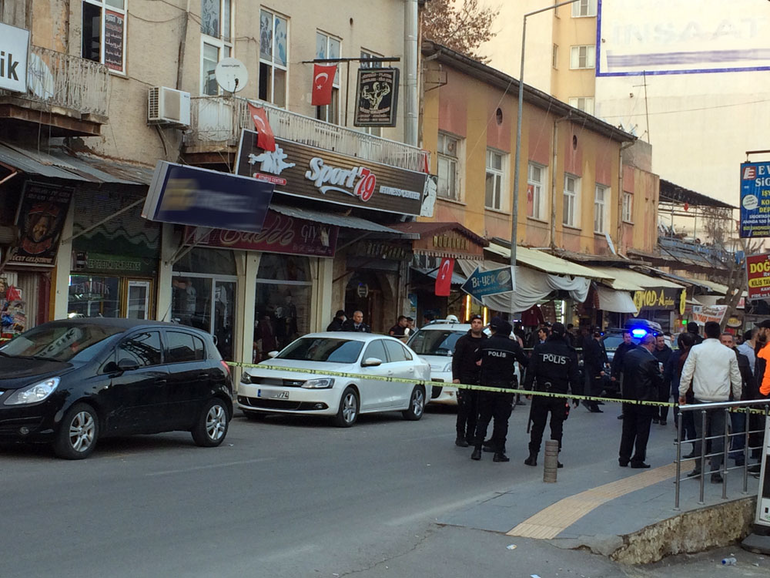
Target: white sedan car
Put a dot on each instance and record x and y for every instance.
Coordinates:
(302, 387)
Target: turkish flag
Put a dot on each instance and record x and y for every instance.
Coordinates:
(323, 81)
(444, 277)
(265, 136)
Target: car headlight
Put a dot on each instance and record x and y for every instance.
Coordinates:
(246, 378)
(320, 383)
(33, 393)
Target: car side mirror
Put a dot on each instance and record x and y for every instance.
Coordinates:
(371, 362)
(127, 364)
(273, 354)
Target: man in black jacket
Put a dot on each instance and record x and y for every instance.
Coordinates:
(662, 353)
(552, 368)
(465, 370)
(594, 364)
(338, 322)
(357, 323)
(498, 356)
(641, 382)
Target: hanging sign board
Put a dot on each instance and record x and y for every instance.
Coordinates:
(755, 200)
(758, 275)
(14, 55)
(377, 97)
(40, 219)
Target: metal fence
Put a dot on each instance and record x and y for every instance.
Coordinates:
(744, 421)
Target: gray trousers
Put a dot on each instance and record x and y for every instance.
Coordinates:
(715, 426)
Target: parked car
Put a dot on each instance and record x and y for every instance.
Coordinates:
(435, 343)
(73, 382)
(302, 388)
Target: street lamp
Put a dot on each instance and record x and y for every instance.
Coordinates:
(515, 209)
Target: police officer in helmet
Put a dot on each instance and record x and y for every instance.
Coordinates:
(498, 356)
(553, 368)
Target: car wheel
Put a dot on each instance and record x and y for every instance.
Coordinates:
(348, 412)
(416, 404)
(212, 425)
(78, 433)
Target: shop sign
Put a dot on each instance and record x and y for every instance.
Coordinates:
(200, 197)
(661, 299)
(377, 97)
(703, 314)
(363, 290)
(119, 264)
(758, 276)
(755, 200)
(332, 177)
(14, 56)
(280, 234)
(40, 219)
(389, 251)
(449, 244)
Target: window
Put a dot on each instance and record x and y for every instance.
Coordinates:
(273, 58)
(584, 103)
(571, 200)
(329, 47)
(600, 209)
(555, 56)
(179, 347)
(142, 348)
(448, 167)
(104, 33)
(376, 350)
(217, 26)
(372, 130)
(495, 180)
(584, 8)
(628, 207)
(396, 351)
(536, 175)
(582, 57)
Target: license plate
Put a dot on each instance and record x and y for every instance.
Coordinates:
(273, 394)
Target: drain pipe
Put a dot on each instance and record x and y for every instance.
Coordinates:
(555, 142)
(411, 48)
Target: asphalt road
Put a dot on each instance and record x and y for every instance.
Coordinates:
(283, 497)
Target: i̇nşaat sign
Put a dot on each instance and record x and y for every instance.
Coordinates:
(332, 177)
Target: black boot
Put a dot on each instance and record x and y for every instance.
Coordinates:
(531, 460)
(476, 455)
(461, 442)
(500, 457)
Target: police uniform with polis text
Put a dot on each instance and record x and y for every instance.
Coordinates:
(498, 356)
(553, 368)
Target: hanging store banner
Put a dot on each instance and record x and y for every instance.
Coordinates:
(668, 299)
(40, 219)
(755, 200)
(279, 234)
(377, 97)
(14, 56)
(758, 276)
(200, 197)
(331, 177)
(703, 314)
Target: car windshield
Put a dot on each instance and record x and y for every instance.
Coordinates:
(323, 349)
(611, 342)
(57, 342)
(435, 341)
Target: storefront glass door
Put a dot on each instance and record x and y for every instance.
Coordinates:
(224, 317)
(138, 300)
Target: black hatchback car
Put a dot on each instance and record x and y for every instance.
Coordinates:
(74, 381)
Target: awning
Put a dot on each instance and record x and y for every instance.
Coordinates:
(615, 301)
(433, 273)
(337, 219)
(629, 280)
(717, 288)
(444, 240)
(547, 263)
(60, 163)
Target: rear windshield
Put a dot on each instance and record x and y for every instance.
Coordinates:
(54, 342)
(435, 341)
(323, 350)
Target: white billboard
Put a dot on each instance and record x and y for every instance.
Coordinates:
(14, 54)
(636, 37)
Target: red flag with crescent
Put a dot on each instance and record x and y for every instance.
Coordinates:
(444, 277)
(323, 82)
(265, 136)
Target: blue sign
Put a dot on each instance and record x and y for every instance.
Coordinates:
(205, 198)
(755, 200)
(483, 283)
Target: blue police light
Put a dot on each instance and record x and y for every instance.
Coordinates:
(638, 333)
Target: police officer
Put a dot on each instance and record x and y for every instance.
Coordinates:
(498, 356)
(552, 368)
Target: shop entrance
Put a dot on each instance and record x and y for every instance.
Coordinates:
(364, 293)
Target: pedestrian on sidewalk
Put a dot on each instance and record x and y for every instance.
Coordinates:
(662, 353)
(553, 368)
(594, 364)
(749, 346)
(617, 362)
(738, 419)
(338, 322)
(497, 357)
(641, 382)
(672, 374)
(466, 371)
(713, 371)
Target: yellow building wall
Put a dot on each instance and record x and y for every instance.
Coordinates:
(568, 32)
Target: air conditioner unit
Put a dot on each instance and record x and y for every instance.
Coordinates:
(168, 106)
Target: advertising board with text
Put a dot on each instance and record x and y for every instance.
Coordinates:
(758, 275)
(14, 57)
(755, 200)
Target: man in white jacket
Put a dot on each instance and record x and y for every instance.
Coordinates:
(713, 371)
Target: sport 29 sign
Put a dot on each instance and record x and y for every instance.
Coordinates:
(758, 275)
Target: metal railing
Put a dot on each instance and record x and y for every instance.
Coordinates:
(62, 80)
(219, 120)
(705, 414)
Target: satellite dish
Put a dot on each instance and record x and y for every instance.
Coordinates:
(231, 75)
(39, 78)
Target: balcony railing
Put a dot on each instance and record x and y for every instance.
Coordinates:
(217, 121)
(60, 80)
